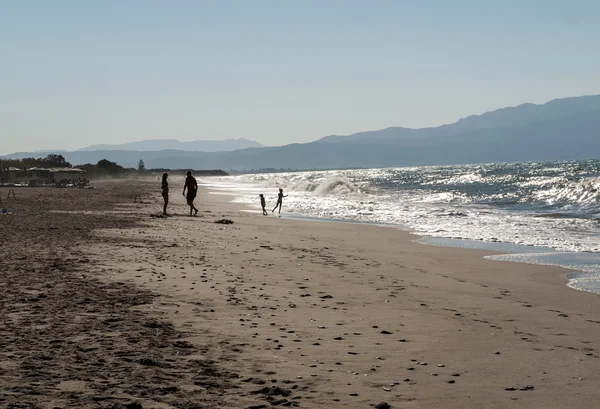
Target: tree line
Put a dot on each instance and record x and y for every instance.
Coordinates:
(104, 167)
(50, 161)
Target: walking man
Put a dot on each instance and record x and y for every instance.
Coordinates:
(192, 188)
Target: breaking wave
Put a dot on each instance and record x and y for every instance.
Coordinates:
(583, 195)
(336, 186)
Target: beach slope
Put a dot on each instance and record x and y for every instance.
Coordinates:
(315, 314)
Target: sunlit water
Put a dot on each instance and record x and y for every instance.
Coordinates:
(554, 206)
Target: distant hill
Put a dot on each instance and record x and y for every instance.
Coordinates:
(501, 118)
(164, 144)
(528, 113)
(566, 129)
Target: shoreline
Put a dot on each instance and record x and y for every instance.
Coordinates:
(455, 207)
(572, 272)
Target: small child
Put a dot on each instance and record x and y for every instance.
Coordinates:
(280, 197)
(263, 204)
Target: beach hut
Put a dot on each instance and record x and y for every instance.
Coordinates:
(71, 174)
(11, 176)
(18, 176)
(39, 176)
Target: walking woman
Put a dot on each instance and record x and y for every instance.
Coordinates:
(165, 192)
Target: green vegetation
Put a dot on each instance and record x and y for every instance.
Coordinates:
(50, 161)
(103, 168)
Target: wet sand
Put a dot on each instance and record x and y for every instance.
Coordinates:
(111, 307)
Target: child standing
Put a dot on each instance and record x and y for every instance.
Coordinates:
(263, 204)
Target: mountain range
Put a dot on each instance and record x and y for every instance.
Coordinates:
(562, 129)
(164, 144)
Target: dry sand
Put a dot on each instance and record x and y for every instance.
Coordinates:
(104, 306)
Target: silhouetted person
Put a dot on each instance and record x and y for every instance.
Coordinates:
(165, 192)
(280, 197)
(192, 188)
(263, 204)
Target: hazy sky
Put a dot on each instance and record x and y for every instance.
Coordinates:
(75, 72)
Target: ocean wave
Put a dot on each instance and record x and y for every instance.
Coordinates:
(582, 195)
(543, 204)
(336, 186)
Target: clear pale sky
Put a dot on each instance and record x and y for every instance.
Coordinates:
(75, 72)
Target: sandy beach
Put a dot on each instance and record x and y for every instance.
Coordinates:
(104, 306)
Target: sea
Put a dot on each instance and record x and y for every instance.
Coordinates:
(542, 213)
